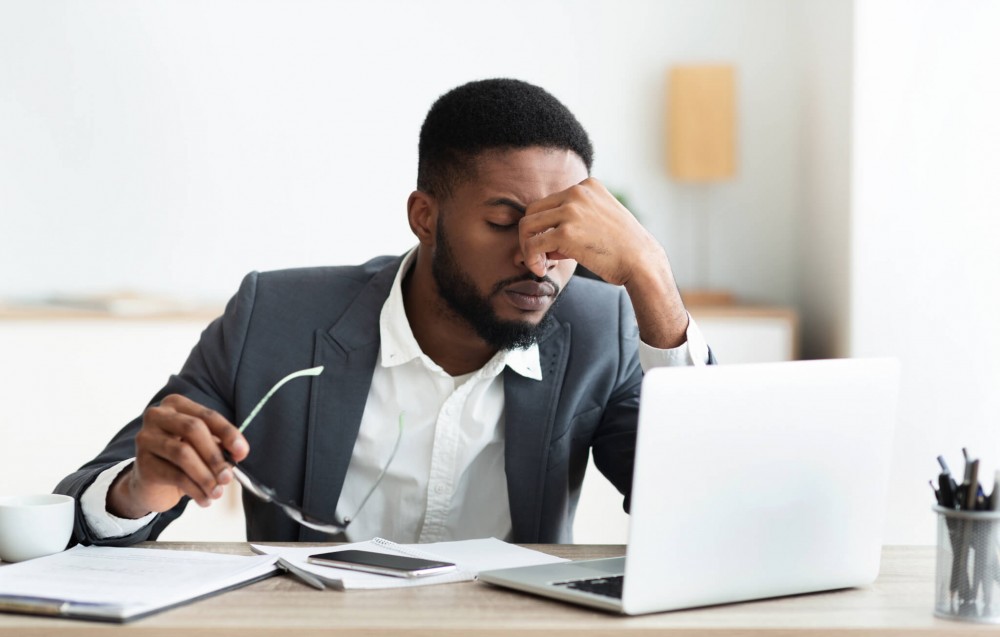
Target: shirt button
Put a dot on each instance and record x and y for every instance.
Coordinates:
(439, 489)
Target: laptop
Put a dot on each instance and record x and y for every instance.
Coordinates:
(750, 481)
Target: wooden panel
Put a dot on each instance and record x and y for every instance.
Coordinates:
(701, 123)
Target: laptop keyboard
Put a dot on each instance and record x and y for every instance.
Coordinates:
(607, 586)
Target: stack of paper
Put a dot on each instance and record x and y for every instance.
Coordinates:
(471, 557)
(120, 584)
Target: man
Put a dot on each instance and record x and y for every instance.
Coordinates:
(495, 371)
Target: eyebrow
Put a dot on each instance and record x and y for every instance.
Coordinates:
(503, 201)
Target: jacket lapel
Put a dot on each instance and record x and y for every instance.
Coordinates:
(530, 411)
(349, 353)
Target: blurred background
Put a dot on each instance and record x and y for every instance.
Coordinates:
(152, 153)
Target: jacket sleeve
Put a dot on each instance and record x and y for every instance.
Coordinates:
(207, 377)
(613, 443)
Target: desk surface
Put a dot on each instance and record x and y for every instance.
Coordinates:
(899, 603)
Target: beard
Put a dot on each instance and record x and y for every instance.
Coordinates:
(462, 298)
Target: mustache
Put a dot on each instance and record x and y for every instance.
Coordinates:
(499, 286)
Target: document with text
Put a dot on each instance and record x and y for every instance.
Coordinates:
(120, 584)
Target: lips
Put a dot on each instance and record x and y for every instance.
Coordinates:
(530, 296)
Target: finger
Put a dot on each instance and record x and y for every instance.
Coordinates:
(586, 192)
(167, 473)
(529, 228)
(550, 202)
(157, 476)
(542, 251)
(185, 468)
(549, 244)
(542, 220)
(194, 432)
(224, 432)
(166, 427)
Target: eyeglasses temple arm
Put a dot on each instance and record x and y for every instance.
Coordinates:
(392, 456)
(314, 371)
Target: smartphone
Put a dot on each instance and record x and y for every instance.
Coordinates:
(382, 563)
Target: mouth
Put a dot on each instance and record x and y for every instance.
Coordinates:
(530, 296)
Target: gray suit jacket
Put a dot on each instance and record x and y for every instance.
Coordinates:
(301, 444)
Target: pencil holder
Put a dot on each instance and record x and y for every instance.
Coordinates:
(967, 583)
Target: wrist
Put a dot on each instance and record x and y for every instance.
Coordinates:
(659, 309)
(653, 278)
(121, 501)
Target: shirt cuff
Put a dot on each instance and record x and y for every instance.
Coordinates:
(94, 505)
(694, 351)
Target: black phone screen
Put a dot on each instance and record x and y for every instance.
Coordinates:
(365, 560)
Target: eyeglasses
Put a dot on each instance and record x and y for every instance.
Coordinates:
(265, 493)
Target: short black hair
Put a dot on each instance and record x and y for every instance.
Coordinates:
(487, 115)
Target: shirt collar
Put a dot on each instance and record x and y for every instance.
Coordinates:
(399, 346)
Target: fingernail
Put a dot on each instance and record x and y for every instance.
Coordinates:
(202, 503)
(224, 477)
(240, 446)
(216, 493)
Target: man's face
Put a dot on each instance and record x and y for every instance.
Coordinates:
(477, 261)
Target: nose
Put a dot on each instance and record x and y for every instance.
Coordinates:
(522, 263)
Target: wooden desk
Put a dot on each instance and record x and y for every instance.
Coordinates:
(899, 603)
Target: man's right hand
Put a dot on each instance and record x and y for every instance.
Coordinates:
(178, 452)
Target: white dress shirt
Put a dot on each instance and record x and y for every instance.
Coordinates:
(448, 481)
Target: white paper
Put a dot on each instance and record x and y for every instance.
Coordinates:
(128, 581)
(471, 556)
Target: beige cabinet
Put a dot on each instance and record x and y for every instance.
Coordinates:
(70, 381)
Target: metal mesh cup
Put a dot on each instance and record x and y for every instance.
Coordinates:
(967, 584)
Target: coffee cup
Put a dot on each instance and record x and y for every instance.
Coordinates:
(34, 525)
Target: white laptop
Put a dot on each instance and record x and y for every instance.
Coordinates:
(750, 481)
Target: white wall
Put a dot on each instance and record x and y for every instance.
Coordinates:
(823, 179)
(173, 146)
(925, 236)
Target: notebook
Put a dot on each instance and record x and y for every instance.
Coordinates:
(750, 481)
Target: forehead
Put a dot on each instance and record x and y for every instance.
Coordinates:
(525, 174)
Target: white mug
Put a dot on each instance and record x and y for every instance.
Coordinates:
(34, 525)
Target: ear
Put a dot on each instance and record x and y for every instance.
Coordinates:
(422, 212)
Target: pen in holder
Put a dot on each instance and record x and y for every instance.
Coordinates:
(967, 584)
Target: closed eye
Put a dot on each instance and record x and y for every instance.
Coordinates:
(500, 227)
(508, 206)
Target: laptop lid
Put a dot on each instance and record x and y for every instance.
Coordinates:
(759, 480)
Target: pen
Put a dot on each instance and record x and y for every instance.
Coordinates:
(947, 495)
(947, 487)
(300, 573)
(972, 478)
(966, 499)
(944, 465)
(962, 494)
(995, 496)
